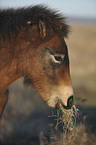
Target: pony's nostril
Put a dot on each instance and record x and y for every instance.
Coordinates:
(70, 101)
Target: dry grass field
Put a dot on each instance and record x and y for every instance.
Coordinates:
(26, 119)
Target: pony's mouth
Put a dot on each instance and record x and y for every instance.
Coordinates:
(67, 116)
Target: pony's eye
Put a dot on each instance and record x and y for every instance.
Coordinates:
(57, 58)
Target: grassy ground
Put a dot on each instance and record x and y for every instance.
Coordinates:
(26, 120)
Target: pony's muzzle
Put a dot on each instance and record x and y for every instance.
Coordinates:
(69, 103)
(64, 98)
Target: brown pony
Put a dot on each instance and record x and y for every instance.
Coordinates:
(32, 45)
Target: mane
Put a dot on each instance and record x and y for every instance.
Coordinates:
(12, 20)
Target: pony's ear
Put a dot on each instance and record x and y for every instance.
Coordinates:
(42, 29)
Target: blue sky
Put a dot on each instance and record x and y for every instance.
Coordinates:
(78, 8)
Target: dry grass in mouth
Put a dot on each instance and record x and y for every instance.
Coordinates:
(67, 119)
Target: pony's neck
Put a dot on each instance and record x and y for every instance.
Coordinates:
(9, 74)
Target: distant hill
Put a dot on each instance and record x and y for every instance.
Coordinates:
(90, 21)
